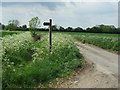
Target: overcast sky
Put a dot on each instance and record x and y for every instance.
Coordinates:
(74, 14)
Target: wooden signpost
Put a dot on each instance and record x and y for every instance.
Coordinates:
(50, 33)
(46, 23)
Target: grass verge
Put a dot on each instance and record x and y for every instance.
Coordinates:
(28, 63)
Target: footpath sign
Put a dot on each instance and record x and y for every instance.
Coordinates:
(50, 33)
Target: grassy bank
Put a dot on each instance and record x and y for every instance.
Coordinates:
(28, 63)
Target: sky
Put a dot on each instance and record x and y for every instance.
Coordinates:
(67, 14)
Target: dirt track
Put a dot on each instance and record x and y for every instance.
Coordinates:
(101, 70)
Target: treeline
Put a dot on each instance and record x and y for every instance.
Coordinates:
(95, 29)
(13, 25)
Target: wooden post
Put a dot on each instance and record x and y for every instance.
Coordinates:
(50, 35)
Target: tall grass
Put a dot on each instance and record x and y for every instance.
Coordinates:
(16, 52)
(41, 66)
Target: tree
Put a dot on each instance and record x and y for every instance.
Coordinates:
(11, 27)
(78, 29)
(118, 30)
(0, 26)
(61, 28)
(107, 28)
(103, 29)
(34, 23)
(69, 29)
(3, 27)
(14, 22)
(54, 27)
(24, 26)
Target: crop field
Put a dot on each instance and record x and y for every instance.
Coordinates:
(28, 63)
(105, 41)
(4, 33)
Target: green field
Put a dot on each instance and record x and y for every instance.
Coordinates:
(106, 41)
(5, 33)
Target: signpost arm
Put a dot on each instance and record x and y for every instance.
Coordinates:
(50, 35)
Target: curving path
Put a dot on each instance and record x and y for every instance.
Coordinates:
(101, 71)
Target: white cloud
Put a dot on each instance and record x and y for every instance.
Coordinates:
(83, 14)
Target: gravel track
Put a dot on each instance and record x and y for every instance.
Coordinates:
(101, 70)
